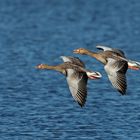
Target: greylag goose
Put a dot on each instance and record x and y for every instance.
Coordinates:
(114, 66)
(76, 75)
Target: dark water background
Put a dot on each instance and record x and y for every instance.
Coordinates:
(37, 105)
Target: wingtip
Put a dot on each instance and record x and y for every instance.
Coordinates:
(81, 105)
(100, 47)
(122, 92)
(61, 56)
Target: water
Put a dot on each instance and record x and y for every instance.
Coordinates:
(37, 105)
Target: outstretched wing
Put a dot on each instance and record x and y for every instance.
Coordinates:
(77, 83)
(73, 60)
(116, 71)
(104, 48)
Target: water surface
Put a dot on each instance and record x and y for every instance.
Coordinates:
(37, 105)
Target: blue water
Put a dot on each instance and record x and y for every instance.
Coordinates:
(37, 105)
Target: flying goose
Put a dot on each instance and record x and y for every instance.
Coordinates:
(76, 75)
(114, 66)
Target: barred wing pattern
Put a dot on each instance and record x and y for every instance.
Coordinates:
(77, 81)
(116, 71)
(78, 86)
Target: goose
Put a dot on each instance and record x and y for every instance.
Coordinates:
(76, 75)
(115, 65)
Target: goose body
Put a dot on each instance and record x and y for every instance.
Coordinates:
(134, 65)
(76, 75)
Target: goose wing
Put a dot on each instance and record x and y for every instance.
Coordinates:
(116, 70)
(73, 60)
(104, 48)
(77, 83)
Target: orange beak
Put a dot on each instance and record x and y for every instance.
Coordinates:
(40, 66)
(76, 51)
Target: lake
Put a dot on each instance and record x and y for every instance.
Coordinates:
(36, 104)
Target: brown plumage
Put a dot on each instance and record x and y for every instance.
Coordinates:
(76, 75)
(114, 66)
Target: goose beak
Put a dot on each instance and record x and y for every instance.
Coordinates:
(76, 51)
(40, 66)
(94, 75)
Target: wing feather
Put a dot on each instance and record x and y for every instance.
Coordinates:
(104, 48)
(78, 86)
(116, 71)
(77, 81)
(73, 60)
